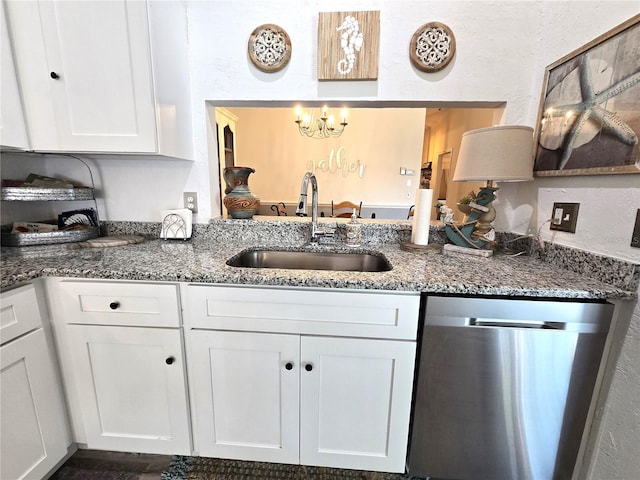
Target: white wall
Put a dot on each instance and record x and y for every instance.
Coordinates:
(496, 69)
(502, 50)
(127, 188)
(608, 203)
(618, 433)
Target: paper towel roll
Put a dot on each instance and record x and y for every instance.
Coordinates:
(421, 217)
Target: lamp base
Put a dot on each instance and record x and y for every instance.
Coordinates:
(412, 247)
(448, 248)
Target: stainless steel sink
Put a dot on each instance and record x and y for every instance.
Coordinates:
(353, 262)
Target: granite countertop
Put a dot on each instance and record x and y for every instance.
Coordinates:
(203, 260)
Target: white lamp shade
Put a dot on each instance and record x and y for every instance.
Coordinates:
(503, 154)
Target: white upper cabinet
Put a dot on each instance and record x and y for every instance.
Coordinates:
(13, 131)
(86, 70)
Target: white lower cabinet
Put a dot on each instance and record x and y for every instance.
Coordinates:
(122, 360)
(246, 395)
(290, 375)
(321, 400)
(338, 402)
(132, 384)
(33, 418)
(355, 402)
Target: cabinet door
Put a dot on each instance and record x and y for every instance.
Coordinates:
(85, 72)
(32, 412)
(132, 389)
(355, 402)
(245, 395)
(13, 130)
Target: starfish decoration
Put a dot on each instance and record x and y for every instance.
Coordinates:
(589, 108)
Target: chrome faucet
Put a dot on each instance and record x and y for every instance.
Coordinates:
(301, 211)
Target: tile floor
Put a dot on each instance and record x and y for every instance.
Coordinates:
(105, 465)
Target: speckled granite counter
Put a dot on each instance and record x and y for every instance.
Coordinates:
(203, 260)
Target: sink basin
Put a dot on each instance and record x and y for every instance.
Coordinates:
(354, 262)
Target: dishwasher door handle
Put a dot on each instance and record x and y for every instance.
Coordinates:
(493, 322)
(532, 324)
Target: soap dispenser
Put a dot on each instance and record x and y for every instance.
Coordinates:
(353, 231)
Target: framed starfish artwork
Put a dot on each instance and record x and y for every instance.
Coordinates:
(589, 114)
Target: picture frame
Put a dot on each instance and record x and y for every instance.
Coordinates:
(589, 113)
(432, 47)
(269, 48)
(348, 45)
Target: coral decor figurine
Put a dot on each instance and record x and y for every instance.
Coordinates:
(476, 230)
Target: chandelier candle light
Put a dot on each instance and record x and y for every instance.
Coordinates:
(323, 127)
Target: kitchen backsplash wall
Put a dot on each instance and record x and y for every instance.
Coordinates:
(503, 48)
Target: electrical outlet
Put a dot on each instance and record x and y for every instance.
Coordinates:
(564, 217)
(191, 201)
(635, 237)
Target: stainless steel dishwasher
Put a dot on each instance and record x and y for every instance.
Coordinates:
(504, 387)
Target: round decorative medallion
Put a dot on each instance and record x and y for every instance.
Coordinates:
(269, 48)
(432, 47)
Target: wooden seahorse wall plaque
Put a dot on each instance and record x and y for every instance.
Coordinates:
(348, 45)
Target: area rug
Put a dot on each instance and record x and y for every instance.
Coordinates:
(201, 468)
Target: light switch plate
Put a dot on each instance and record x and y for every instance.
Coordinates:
(635, 236)
(564, 217)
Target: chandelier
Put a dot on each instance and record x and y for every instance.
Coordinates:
(323, 127)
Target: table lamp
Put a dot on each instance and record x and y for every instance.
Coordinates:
(496, 154)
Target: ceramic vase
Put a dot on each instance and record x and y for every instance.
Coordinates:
(239, 201)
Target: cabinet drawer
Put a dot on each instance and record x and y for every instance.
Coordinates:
(322, 312)
(121, 303)
(19, 313)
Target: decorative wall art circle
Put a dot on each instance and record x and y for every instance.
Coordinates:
(432, 47)
(269, 48)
